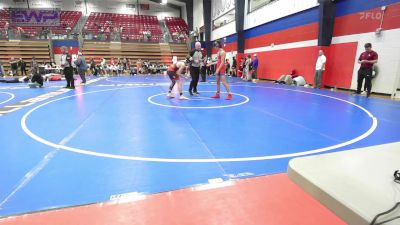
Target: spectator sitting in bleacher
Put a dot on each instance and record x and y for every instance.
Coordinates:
(181, 36)
(146, 35)
(166, 36)
(116, 34)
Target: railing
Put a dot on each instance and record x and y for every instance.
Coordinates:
(11, 34)
(118, 37)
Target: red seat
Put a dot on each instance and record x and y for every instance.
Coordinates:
(133, 25)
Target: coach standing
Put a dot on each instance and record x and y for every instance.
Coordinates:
(66, 63)
(367, 60)
(195, 69)
(319, 69)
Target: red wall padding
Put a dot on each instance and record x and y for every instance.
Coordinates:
(367, 21)
(340, 64)
(295, 34)
(339, 72)
(273, 64)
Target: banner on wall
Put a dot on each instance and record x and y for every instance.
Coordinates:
(34, 17)
(72, 46)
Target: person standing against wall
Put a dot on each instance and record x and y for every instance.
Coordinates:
(227, 67)
(195, 69)
(247, 68)
(367, 60)
(255, 67)
(234, 64)
(66, 64)
(319, 69)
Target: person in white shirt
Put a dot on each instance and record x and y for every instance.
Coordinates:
(319, 69)
(103, 67)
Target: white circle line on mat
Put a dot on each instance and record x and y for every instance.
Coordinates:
(246, 100)
(12, 96)
(193, 160)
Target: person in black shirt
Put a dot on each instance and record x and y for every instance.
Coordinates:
(227, 67)
(37, 79)
(203, 70)
(22, 64)
(195, 64)
(93, 68)
(14, 66)
(234, 64)
(66, 63)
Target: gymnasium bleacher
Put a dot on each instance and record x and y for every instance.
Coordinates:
(4, 17)
(67, 19)
(25, 50)
(152, 52)
(176, 26)
(133, 26)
